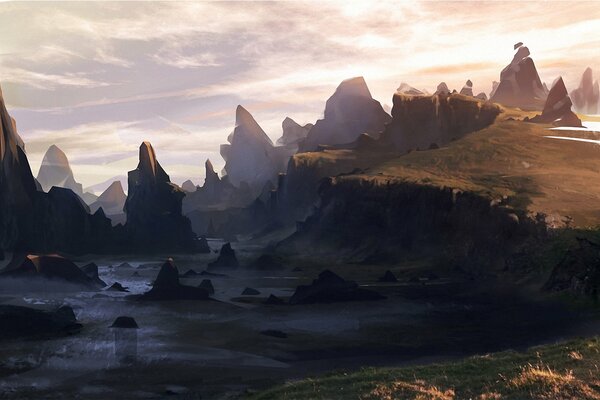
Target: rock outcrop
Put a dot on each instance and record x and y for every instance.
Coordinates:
(56, 171)
(24, 322)
(405, 88)
(52, 267)
(467, 90)
(424, 122)
(112, 200)
(91, 270)
(349, 112)
(331, 288)
(250, 157)
(520, 85)
(557, 110)
(442, 88)
(153, 207)
(167, 287)
(226, 259)
(586, 98)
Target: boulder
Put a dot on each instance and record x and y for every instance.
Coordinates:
(250, 292)
(331, 288)
(52, 267)
(153, 207)
(91, 270)
(226, 259)
(18, 322)
(207, 285)
(350, 111)
(520, 85)
(586, 98)
(557, 110)
(117, 287)
(167, 287)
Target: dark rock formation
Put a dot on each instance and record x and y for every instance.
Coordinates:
(330, 288)
(153, 208)
(520, 85)
(273, 300)
(91, 270)
(420, 121)
(56, 171)
(167, 286)
(349, 112)
(226, 259)
(117, 287)
(557, 110)
(250, 156)
(293, 133)
(586, 98)
(267, 262)
(388, 277)
(23, 322)
(250, 292)
(207, 285)
(125, 322)
(189, 273)
(467, 90)
(578, 271)
(52, 267)
(112, 200)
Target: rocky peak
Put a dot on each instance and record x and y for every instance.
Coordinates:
(349, 112)
(148, 166)
(405, 88)
(557, 109)
(56, 171)
(113, 194)
(246, 128)
(293, 132)
(467, 90)
(520, 84)
(188, 186)
(442, 88)
(586, 98)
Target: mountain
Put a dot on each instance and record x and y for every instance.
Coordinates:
(188, 186)
(586, 98)
(102, 186)
(112, 200)
(557, 109)
(349, 112)
(153, 208)
(293, 132)
(56, 171)
(467, 90)
(520, 85)
(405, 88)
(250, 156)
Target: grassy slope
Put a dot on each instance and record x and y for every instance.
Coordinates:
(562, 371)
(509, 158)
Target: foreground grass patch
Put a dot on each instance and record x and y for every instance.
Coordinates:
(561, 371)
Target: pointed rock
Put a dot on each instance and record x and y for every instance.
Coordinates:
(442, 88)
(293, 133)
(153, 208)
(586, 98)
(467, 90)
(167, 287)
(56, 171)
(112, 200)
(349, 112)
(188, 186)
(557, 109)
(520, 84)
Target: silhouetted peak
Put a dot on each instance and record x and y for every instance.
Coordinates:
(354, 87)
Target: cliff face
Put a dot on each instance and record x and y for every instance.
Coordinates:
(349, 112)
(425, 122)
(153, 207)
(586, 98)
(368, 218)
(17, 185)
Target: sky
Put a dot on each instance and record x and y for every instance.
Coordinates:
(97, 79)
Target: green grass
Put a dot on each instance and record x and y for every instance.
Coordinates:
(559, 371)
